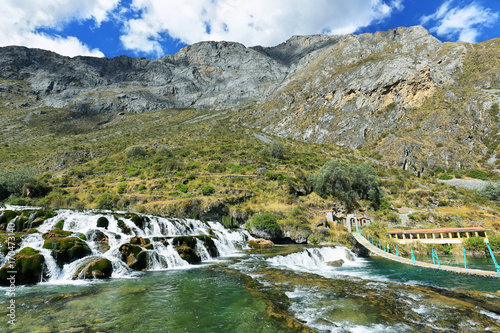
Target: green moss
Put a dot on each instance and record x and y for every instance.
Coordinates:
(28, 251)
(59, 225)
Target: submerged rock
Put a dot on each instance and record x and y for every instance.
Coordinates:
(28, 264)
(260, 243)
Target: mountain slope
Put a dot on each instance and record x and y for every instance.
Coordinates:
(401, 95)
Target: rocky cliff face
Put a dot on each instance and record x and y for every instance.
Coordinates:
(411, 100)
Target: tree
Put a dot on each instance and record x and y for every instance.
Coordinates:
(347, 182)
(274, 149)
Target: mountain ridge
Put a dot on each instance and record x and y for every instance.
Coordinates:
(411, 100)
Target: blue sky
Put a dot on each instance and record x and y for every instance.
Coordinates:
(153, 28)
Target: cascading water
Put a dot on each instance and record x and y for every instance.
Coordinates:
(150, 236)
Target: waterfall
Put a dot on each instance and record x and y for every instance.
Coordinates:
(318, 260)
(162, 240)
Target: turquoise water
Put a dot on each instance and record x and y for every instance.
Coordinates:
(195, 300)
(286, 289)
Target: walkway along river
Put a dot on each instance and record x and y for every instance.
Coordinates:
(363, 241)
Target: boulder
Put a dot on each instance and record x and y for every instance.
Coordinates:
(102, 222)
(134, 256)
(28, 265)
(260, 243)
(67, 249)
(335, 263)
(97, 269)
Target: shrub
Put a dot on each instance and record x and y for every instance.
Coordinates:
(265, 222)
(21, 182)
(274, 176)
(191, 176)
(474, 244)
(478, 174)
(274, 149)
(495, 243)
(105, 201)
(215, 168)
(141, 187)
(121, 188)
(164, 151)
(207, 190)
(135, 151)
(347, 182)
(445, 177)
(490, 190)
(183, 188)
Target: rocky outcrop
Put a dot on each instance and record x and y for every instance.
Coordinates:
(96, 269)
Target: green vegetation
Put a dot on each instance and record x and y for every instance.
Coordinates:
(265, 222)
(347, 182)
(490, 190)
(135, 151)
(474, 244)
(274, 149)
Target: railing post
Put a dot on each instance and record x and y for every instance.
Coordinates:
(465, 258)
(412, 255)
(437, 258)
(493, 257)
(397, 252)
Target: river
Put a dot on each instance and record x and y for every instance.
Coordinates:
(288, 288)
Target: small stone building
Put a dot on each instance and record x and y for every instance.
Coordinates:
(351, 221)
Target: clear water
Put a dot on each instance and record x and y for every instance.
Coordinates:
(283, 289)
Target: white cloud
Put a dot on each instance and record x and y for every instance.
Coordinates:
(256, 22)
(20, 19)
(464, 23)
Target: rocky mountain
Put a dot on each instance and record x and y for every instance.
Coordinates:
(406, 98)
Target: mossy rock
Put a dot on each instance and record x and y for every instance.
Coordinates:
(134, 256)
(140, 241)
(55, 233)
(8, 215)
(139, 221)
(102, 222)
(59, 225)
(188, 254)
(189, 241)
(97, 269)
(4, 242)
(67, 249)
(28, 265)
(209, 244)
(37, 222)
(124, 228)
(45, 214)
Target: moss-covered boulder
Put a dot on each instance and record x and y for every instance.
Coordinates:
(139, 221)
(97, 269)
(185, 246)
(102, 222)
(144, 242)
(55, 233)
(124, 228)
(189, 254)
(66, 249)
(28, 264)
(102, 241)
(134, 256)
(4, 242)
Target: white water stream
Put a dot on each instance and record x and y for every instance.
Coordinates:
(162, 256)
